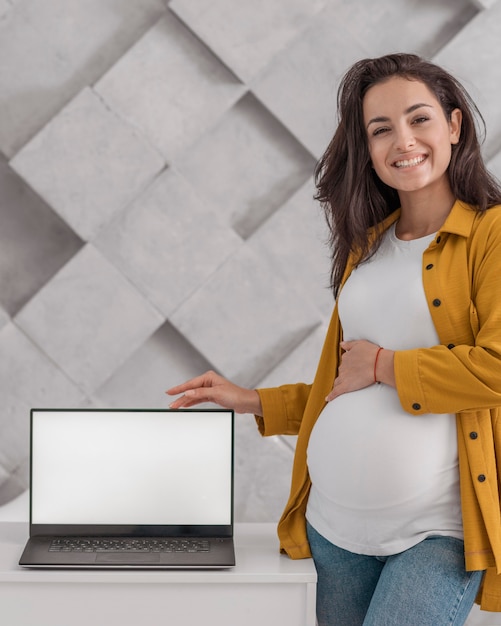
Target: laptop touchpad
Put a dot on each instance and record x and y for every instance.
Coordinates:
(127, 557)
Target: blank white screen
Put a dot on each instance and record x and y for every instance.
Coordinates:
(128, 467)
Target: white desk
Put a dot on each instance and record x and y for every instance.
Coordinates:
(265, 588)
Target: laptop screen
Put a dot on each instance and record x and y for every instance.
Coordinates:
(131, 467)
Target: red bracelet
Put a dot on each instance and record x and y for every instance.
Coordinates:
(375, 363)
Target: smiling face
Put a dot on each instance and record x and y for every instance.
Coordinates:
(409, 136)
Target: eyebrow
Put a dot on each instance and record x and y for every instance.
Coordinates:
(411, 109)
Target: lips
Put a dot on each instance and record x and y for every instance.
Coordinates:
(409, 162)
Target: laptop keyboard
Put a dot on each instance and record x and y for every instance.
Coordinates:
(127, 544)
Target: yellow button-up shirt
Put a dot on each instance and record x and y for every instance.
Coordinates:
(462, 375)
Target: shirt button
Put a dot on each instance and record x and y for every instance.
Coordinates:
(416, 406)
(439, 239)
(481, 478)
(436, 302)
(429, 266)
(450, 346)
(473, 435)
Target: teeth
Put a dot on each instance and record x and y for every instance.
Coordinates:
(410, 162)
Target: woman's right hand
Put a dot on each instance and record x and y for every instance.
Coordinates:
(210, 387)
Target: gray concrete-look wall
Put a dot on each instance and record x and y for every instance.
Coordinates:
(156, 212)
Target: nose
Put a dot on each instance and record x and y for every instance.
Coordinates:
(404, 138)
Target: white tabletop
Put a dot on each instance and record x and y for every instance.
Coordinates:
(265, 587)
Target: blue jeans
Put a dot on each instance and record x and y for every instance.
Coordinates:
(426, 585)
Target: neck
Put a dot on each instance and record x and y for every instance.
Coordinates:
(423, 215)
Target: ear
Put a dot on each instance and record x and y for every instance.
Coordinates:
(455, 125)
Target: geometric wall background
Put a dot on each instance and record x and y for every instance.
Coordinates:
(156, 212)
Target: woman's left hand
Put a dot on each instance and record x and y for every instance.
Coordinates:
(357, 366)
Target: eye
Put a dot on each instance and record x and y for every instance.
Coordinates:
(420, 120)
(380, 131)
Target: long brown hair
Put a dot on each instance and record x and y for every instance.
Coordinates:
(352, 195)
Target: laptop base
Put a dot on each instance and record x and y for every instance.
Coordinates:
(37, 554)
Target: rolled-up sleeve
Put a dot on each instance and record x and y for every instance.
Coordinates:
(283, 409)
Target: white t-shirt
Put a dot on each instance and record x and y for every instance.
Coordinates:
(382, 479)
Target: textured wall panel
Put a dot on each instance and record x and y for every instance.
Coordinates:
(5, 7)
(246, 298)
(474, 56)
(88, 164)
(88, 319)
(262, 473)
(246, 35)
(248, 166)
(495, 165)
(4, 318)
(409, 25)
(34, 80)
(160, 363)
(294, 242)
(299, 85)
(50, 50)
(169, 226)
(28, 378)
(34, 241)
(170, 86)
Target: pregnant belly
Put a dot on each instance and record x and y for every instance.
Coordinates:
(366, 453)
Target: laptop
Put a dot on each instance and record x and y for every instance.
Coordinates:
(149, 489)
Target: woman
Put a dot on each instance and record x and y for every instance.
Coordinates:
(395, 484)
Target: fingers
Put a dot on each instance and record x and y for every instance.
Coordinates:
(182, 403)
(337, 390)
(191, 397)
(205, 380)
(196, 391)
(356, 367)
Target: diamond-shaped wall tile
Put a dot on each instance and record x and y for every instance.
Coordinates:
(246, 318)
(170, 86)
(28, 378)
(50, 50)
(168, 242)
(246, 35)
(164, 360)
(303, 256)
(248, 165)
(89, 319)
(34, 241)
(87, 164)
(474, 57)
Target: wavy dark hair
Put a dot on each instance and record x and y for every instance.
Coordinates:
(350, 192)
